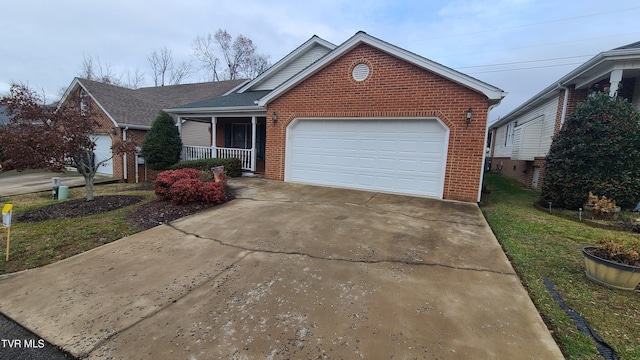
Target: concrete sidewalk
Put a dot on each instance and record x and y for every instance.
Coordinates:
(291, 271)
(30, 181)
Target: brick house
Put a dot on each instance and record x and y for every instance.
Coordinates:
(127, 114)
(521, 140)
(365, 114)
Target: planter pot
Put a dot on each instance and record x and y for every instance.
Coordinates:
(609, 273)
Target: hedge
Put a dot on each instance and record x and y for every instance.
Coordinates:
(232, 166)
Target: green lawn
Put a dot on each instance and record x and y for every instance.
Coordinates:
(41, 243)
(542, 246)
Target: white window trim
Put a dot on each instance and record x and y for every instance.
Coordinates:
(508, 141)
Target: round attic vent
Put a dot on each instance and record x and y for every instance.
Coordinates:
(360, 72)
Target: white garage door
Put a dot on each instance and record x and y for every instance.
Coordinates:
(403, 156)
(102, 152)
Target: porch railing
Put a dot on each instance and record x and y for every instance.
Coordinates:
(196, 152)
(204, 152)
(245, 156)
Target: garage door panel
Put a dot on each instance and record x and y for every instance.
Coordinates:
(403, 156)
(102, 152)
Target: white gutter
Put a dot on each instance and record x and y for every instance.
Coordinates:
(124, 157)
(209, 110)
(484, 152)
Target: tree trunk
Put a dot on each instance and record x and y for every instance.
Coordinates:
(88, 184)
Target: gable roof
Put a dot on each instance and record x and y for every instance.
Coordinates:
(287, 61)
(494, 94)
(247, 98)
(598, 68)
(137, 108)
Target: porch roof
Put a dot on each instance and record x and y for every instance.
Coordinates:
(246, 99)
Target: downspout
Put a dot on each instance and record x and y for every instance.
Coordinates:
(124, 157)
(564, 104)
(484, 150)
(136, 166)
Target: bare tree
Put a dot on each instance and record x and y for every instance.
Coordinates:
(94, 70)
(240, 56)
(161, 62)
(204, 52)
(256, 65)
(179, 73)
(135, 80)
(87, 70)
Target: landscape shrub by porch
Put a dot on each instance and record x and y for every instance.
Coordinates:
(166, 179)
(598, 150)
(232, 166)
(162, 145)
(183, 186)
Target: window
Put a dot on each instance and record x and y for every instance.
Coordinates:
(509, 138)
(241, 136)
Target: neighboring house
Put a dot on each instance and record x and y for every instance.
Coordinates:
(365, 114)
(127, 114)
(521, 139)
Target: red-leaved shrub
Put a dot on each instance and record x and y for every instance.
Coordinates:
(213, 192)
(184, 186)
(185, 191)
(166, 179)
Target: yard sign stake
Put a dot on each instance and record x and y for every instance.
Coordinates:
(6, 222)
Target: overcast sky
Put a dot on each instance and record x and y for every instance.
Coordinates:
(528, 44)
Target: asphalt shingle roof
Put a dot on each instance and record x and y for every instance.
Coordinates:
(635, 45)
(141, 106)
(247, 98)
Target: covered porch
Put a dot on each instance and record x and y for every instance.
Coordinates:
(227, 136)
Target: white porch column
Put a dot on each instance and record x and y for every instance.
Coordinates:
(179, 125)
(253, 143)
(214, 123)
(614, 81)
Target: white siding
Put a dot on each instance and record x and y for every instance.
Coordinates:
(527, 141)
(297, 65)
(500, 149)
(538, 138)
(196, 133)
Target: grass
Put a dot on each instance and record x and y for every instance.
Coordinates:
(41, 243)
(542, 246)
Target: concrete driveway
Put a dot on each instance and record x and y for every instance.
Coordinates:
(291, 271)
(30, 181)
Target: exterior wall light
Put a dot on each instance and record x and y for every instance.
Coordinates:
(274, 117)
(469, 116)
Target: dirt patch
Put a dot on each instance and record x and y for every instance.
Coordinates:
(79, 208)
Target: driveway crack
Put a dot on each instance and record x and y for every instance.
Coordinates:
(354, 261)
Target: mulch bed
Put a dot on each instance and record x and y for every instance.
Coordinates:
(155, 212)
(146, 216)
(79, 208)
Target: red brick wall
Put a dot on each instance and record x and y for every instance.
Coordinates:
(520, 170)
(394, 88)
(575, 97)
